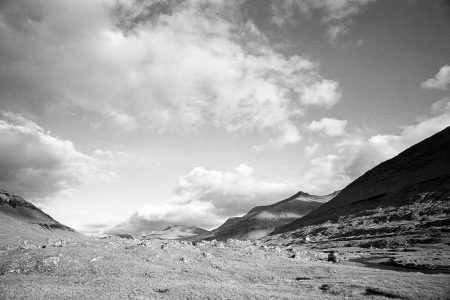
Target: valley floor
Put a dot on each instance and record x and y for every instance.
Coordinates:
(132, 269)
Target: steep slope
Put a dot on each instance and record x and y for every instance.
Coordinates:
(413, 186)
(262, 220)
(21, 220)
(176, 232)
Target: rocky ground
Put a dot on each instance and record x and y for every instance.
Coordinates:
(116, 268)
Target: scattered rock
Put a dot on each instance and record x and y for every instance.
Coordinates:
(333, 257)
(148, 274)
(169, 243)
(49, 263)
(185, 260)
(25, 245)
(60, 243)
(307, 239)
(197, 243)
(96, 258)
(22, 265)
(27, 263)
(303, 278)
(144, 243)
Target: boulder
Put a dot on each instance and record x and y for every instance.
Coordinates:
(333, 257)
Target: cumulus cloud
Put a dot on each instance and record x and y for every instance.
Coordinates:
(35, 164)
(331, 127)
(325, 93)
(336, 15)
(206, 198)
(441, 81)
(160, 65)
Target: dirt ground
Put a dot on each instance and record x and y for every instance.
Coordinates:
(132, 269)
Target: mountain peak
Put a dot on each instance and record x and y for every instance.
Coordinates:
(262, 220)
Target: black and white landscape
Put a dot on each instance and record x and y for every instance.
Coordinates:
(243, 149)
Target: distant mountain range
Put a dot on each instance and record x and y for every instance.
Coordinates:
(21, 220)
(262, 220)
(176, 232)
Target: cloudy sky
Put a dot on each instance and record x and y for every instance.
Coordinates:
(130, 115)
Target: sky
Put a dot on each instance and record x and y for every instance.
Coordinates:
(132, 115)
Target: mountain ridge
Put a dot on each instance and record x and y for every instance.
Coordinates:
(21, 220)
(176, 232)
(422, 168)
(261, 220)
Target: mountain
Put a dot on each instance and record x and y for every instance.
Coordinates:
(176, 232)
(262, 220)
(409, 192)
(21, 220)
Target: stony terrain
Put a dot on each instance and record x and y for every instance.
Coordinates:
(118, 268)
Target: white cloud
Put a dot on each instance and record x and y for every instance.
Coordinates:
(291, 135)
(35, 164)
(329, 126)
(441, 81)
(230, 193)
(311, 149)
(206, 198)
(122, 121)
(160, 65)
(337, 15)
(336, 31)
(326, 93)
(323, 175)
(442, 105)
